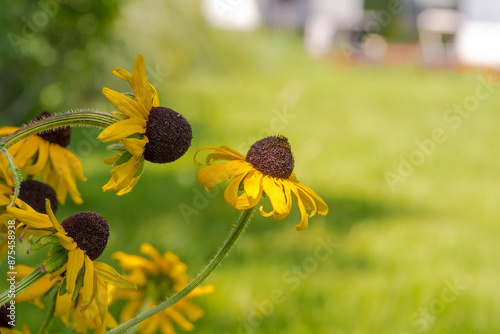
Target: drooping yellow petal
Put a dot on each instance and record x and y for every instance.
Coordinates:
(66, 241)
(88, 282)
(75, 263)
(61, 164)
(322, 207)
(212, 175)
(231, 192)
(63, 305)
(109, 275)
(253, 184)
(304, 222)
(275, 192)
(77, 165)
(101, 298)
(42, 160)
(221, 153)
(122, 129)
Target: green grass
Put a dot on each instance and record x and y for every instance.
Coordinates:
(395, 251)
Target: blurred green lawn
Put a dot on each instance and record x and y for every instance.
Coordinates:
(396, 252)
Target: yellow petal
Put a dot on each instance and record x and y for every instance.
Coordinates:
(275, 192)
(135, 146)
(88, 282)
(253, 184)
(322, 207)
(304, 216)
(231, 192)
(66, 241)
(30, 218)
(75, 263)
(122, 129)
(109, 275)
(221, 153)
(42, 160)
(212, 175)
(77, 165)
(63, 305)
(140, 84)
(52, 217)
(111, 161)
(60, 162)
(127, 106)
(101, 299)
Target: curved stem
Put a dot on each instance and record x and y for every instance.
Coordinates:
(22, 285)
(48, 321)
(16, 173)
(74, 118)
(221, 254)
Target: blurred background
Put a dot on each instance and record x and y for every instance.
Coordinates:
(391, 108)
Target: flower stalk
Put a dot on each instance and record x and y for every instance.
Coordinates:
(50, 316)
(22, 285)
(74, 118)
(214, 263)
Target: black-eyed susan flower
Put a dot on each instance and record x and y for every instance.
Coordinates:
(46, 155)
(266, 169)
(76, 243)
(145, 130)
(157, 279)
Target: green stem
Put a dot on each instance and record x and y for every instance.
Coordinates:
(221, 254)
(48, 321)
(74, 118)
(15, 172)
(22, 285)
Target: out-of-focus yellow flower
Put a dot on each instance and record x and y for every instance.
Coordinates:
(145, 130)
(45, 155)
(267, 168)
(157, 279)
(82, 237)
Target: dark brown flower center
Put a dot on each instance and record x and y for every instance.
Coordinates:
(272, 156)
(4, 317)
(34, 194)
(90, 232)
(60, 136)
(169, 135)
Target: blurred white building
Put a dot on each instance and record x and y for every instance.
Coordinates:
(326, 18)
(478, 36)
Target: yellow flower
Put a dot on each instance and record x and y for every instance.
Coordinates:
(82, 237)
(145, 130)
(84, 317)
(157, 279)
(267, 168)
(46, 155)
